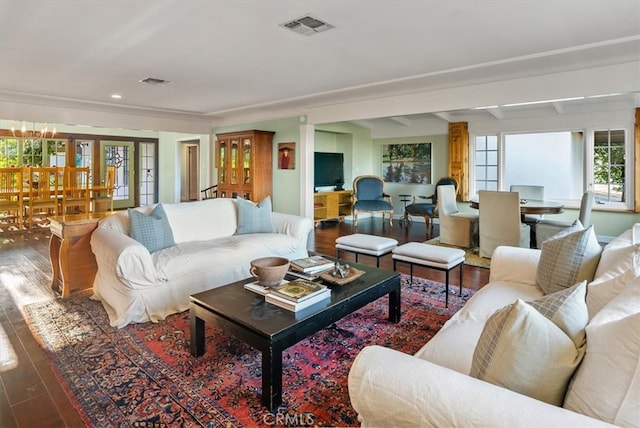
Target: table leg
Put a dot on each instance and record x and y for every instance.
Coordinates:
(272, 377)
(54, 258)
(197, 334)
(394, 305)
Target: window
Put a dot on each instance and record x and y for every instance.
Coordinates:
(8, 152)
(609, 157)
(566, 163)
(147, 169)
(486, 160)
(554, 160)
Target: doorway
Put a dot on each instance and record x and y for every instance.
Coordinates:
(189, 182)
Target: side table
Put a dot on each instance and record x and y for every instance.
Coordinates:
(72, 261)
(404, 199)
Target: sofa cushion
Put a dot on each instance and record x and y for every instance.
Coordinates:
(567, 258)
(601, 291)
(521, 350)
(566, 309)
(607, 384)
(202, 220)
(254, 218)
(153, 230)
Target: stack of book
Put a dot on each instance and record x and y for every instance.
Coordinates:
(298, 294)
(311, 265)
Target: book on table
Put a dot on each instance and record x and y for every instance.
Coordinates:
(318, 298)
(312, 264)
(298, 290)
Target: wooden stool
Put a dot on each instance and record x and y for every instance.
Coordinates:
(371, 245)
(431, 256)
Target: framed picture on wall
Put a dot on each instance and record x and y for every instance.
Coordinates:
(286, 155)
(407, 163)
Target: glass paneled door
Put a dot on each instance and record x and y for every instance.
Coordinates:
(120, 155)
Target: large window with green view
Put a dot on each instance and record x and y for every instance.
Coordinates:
(609, 159)
(18, 151)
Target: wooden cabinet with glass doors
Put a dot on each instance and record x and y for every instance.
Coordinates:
(245, 164)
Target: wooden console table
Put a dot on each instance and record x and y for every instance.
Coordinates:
(72, 261)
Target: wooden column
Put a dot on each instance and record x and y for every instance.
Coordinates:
(459, 157)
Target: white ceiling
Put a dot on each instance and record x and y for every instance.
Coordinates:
(226, 58)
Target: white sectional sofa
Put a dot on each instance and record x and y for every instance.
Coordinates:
(136, 285)
(434, 387)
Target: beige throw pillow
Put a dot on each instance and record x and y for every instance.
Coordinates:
(566, 259)
(568, 310)
(521, 350)
(607, 384)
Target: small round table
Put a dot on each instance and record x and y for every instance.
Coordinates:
(405, 199)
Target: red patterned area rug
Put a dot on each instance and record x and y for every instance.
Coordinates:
(143, 375)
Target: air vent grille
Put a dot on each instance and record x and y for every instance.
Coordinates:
(154, 81)
(307, 25)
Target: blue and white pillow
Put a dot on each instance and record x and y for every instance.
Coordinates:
(153, 230)
(254, 218)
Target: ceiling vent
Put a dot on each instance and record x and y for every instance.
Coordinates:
(307, 25)
(154, 81)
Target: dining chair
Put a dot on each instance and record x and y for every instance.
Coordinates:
(545, 229)
(103, 195)
(369, 196)
(11, 196)
(527, 191)
(427, 206)
(43, 195)
(75, 190)
(500, 222)
(456, 227)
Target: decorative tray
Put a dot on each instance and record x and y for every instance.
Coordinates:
(352, 274)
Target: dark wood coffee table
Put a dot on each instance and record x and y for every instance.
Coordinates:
(271, 329)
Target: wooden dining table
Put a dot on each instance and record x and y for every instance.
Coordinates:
(531, 206)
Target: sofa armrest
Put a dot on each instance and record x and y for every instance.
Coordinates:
(293, 225)
(514, 264)
(390, 388)
(124, 257)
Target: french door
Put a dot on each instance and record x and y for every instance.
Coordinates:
(120, 155)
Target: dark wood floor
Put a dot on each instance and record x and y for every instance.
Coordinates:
(30, 395)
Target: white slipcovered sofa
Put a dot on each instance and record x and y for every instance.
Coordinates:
(136, 285)
(434, 387)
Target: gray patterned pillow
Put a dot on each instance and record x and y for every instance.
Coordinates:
(566, 259)
(568, 310)
(153, 230)
(254, 218)
(521, 350)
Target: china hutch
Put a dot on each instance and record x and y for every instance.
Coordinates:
(245, 164)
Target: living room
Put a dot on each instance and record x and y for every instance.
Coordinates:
(577, 72)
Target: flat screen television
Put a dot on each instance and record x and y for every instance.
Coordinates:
(328, 170)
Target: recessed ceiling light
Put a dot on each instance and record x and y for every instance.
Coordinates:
(116, 96)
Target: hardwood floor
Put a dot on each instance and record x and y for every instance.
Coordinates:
(31, 396)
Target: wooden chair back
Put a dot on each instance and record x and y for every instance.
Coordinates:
(11, 195)
(44, 191)
(104, 194)
(75, 190)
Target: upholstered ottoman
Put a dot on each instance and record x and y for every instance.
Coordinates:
(371, 245)
(431, 256)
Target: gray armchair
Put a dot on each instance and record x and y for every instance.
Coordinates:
(369, 196)
(427, 206)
